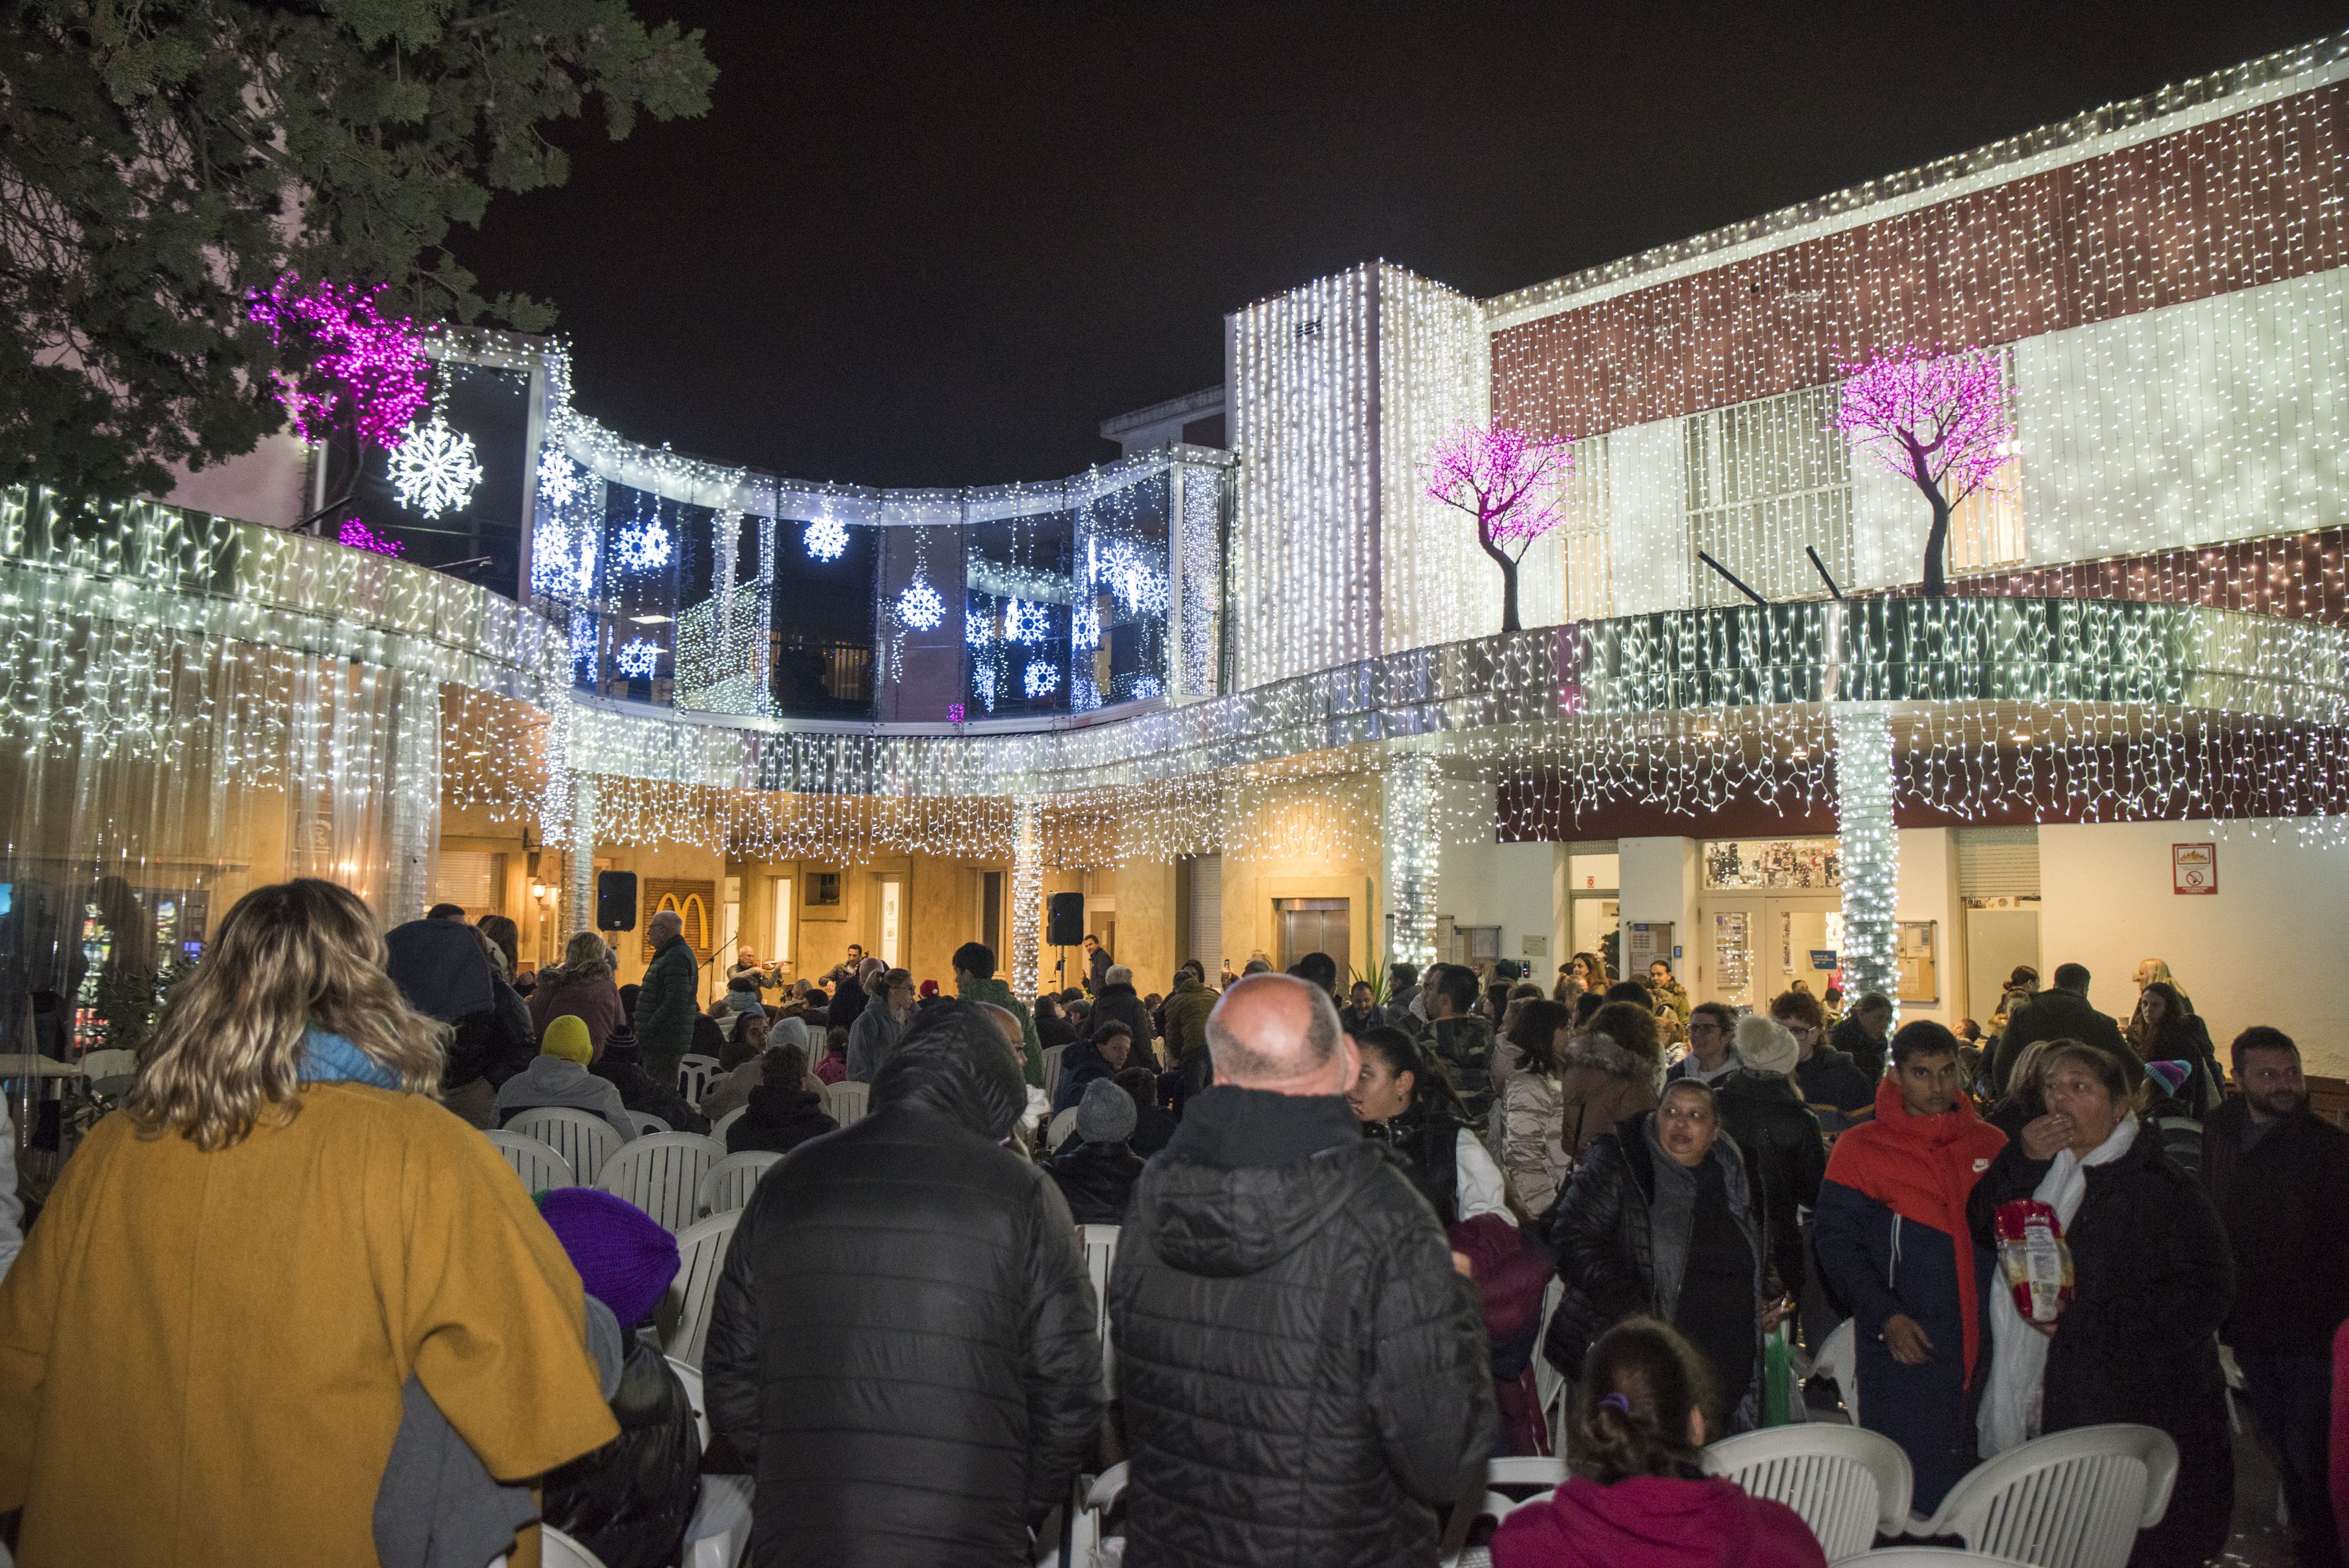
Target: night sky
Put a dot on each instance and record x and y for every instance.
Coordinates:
(939, 244)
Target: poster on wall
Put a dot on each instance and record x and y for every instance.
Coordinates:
(2193, 869)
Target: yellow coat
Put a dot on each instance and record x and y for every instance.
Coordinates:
(202, 1355)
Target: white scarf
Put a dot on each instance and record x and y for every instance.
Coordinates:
(2018, 1356)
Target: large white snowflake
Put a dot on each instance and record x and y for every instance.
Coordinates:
(919, 606)
(558, 477)
(1026, 622)
(643, 546)
(1041, 680)
(434, 470)
(637, 658)
(825, 538)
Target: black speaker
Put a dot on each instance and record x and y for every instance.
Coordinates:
(615, 901)
(1066, 926)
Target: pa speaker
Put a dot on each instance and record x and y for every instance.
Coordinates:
(1066, 926)
(615, 901)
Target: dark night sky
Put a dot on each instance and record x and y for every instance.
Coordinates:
(939, 244)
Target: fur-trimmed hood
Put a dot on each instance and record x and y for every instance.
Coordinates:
(1600, 1051)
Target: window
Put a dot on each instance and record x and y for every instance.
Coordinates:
(1796, 863)
(782, 952)
(823, 889)
(1764, 480)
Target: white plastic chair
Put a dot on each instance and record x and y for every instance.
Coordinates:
(1052, 1054)
(585, 1139)
(1926, 1557)
(1846, 1482)
(720, 1525)
(556, 1550)
(717, 1127)
(1543, 1476)
(700, 1254)
(1092, 1510)
(647, 1122)
(661, 1174)
(1838, 1362)
(1100, 1243)
(848, 1101)
(1060, 1130)
(2075, 1499)
(727, 1185)
(541, 1170)
(1549, 1383)
(694, 1072)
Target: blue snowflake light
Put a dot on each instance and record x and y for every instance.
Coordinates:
(1024, 622)
(643, 547)
(1042, 679)
(919, 606)
(825, 538)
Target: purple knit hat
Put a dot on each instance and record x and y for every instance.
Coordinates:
(623, 1256)
(2169, 1077)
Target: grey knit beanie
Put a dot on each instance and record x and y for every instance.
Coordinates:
(1105, 1114)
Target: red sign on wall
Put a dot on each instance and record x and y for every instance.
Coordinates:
(2193, 868)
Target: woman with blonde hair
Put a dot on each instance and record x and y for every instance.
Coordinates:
(582, 987)
(206, 1344)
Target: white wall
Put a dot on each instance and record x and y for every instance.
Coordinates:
(1660, 881)
(269, 485)
(1928, 891)
(1480, 883)
(2267, 948)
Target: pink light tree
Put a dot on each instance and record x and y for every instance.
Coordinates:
(1939, 422)
(350, 364)
(1508, 481)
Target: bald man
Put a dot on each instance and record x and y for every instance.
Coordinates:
(669, 997)
(1269, 1242)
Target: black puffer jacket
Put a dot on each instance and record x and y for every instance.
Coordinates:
(1097, 1179)
(779, 1120)
(1120, 1004)
(2139, 1341)
(902, 1341)
(1305, 1377)
(630, 1501)
(1604, 1239)
(1785, 1159)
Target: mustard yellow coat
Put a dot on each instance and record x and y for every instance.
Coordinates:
(202, 1355)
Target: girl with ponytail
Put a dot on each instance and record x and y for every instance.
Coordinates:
(1636, 1493)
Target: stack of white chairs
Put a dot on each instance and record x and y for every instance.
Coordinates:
(585, 1139)
(700, 1254)
(694, 1072)
(662, 1173)
(1838, 1362)
(727, 1186)
(2074, 1499)
(847, 1101)
(541, 1170)
(1100, 1243)
(1848, 1484)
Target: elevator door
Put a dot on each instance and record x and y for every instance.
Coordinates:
(1314, 925)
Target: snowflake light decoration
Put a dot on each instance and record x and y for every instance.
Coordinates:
(977, 630)
(919, 606)
(1147, 686)
(1026, 622)
(638, 659)
(433, 469)
(825, 538)
(643, 546)
(1042, 680)
(559, 481)
(1084, 626)
(1134, 581)
(983, 677)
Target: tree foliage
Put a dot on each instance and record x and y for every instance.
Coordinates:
(162, 160)
(1508, 482)
(1938, 421)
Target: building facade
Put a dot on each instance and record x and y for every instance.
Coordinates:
(1253, 699)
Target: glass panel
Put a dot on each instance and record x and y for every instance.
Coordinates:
(1773, 862)
(821, 638)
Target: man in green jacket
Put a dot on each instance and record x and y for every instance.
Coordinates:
(1187, 1006)
(669, 999)
(974, 981)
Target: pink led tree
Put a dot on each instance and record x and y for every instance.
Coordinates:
(356, 365)
(1508, 480)
(1939, 422)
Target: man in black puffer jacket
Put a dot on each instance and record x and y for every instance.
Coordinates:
(903, 1342)
(1305, 1376)
(1116, 1003)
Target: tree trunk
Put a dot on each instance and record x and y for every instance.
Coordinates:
(1937, 548)
(1508, 580)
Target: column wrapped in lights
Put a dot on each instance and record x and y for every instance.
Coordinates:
(413, 811)
(1027, 891)
(579, 891)
(1410, 859)
(1871, 851)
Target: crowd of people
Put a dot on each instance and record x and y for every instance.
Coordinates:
(1340, 1209)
